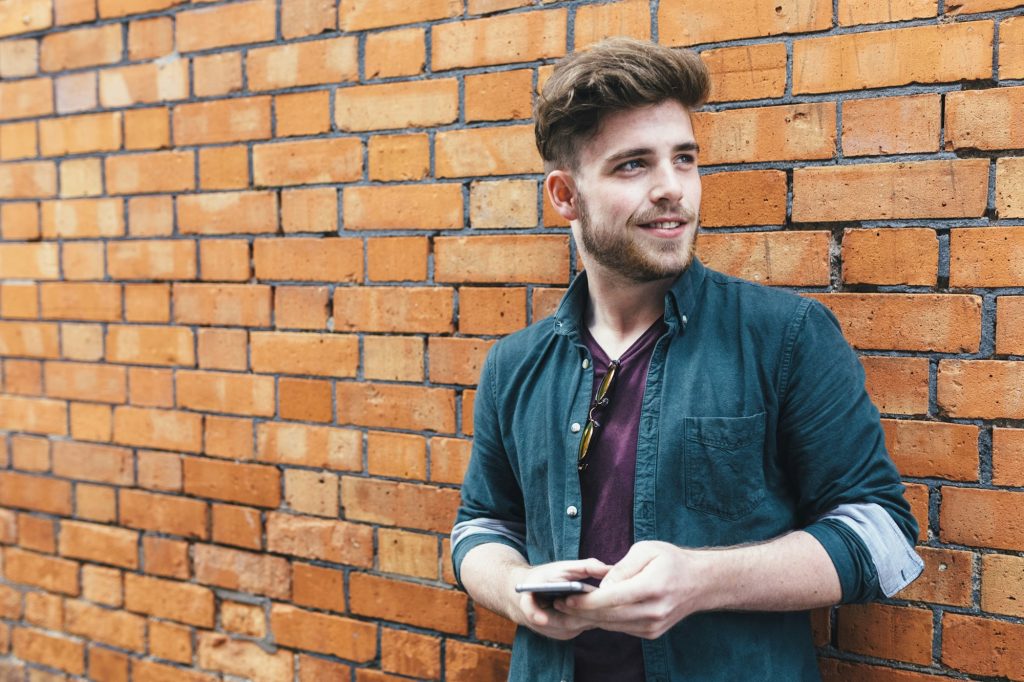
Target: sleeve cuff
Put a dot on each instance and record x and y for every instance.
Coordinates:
(467, 543)
(857, 577)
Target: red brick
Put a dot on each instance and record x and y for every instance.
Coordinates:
(493, 628)
(307, 17)
(409, 653)
(228, 437)
(222, 304)
(594, 23)
(891, 125)
(799, 131)
(319, 588)
(305, 399)
(239, 526)
(465, 662)
(520, 37)
(748, 72)
(49, 573)
(222, 168)
(242, 571)
(116, 628)
(169, 599)
(227, 213)
(393, 309)
(1001, 582)
(529, 258)
(80, 134)
(925, 189)
(235, 24)
(986, 389)
(457, 361)
(408, 505)
(397, 105)
(986, 257)
(924, 54)
(833, 670)
(1008, 457)
(88, 462)
(152, 259)
(491, 310)
(719, 19)
(932, 449)
(310, 631)
(80, 48)
(412, 554)
(892, 632)
(313, 669)
(36, 646)
(449, 458)
(252, 484)
(419, 605)
(320, 539)
(772, 258)
(102, 585)
(507, 150)
(146, 671)
(396, 53)
(396, 455)
(307, 63)
(160, 81)
(108, 666)
(393, 358)
(166, 557)
(981, 119)
(28, 180)
(312, 446)
(26, 98)
(24, 16)
(897, 385)
(388, 406)
(981, 518)
(171, 171)
(981, 646)
(229, 120)
(415, 207)
(226, 392)
(243, 658)
(356, 15)
(163, 513)
(301, 307)
(399, 157)
(905, 255)
(244, 619)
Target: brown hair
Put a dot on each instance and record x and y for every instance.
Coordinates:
(614, 75)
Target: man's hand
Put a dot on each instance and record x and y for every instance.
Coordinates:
(539, 611)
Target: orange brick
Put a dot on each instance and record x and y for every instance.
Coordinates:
(252, 484)
(222, 304)
(150, 38)
(100, 302)
(408, 653)
(95, 503)
(520, 37)
(90, 421)
(44, 610)
(303, 113)
(1001, 578)
(299, 353)
(26, 98)
(744, 198)
(427, 607)
(409, 407)
(491, 310)
(503, 203)
(852, 12)
(83, 261)
(120, 8)
(499, 96)
(457, 361)
(396, 53)
(396, 455)
(1009, 336)
(772, 258)
(955, 188)
(147, 303)
(23, 16)
(226, 392)
(981, 518)
(76, 92)
(311, 492)
(229, 120)
(310, 259)
(311, 631)
(506, 150)
(229, 437)
(309, 210)
(19, 141)
(224, 167)
(356, 15)
(466, 662)
(307, 63)
(930, 449)
(397, 259)
(892, 632)
(36, 534)
(87, 462)
(235, 24)
(311, 446)
(22, 300)
(152, 172)
(308, 162)
(748, 72)
(301, 307)
(718, 20)
(1007, 456)
(833, 670)
(393, 358)
(981, 646)
(239, 526)
(35, 493)
(81, 178)
(53, 651)
(320, 539)
(227, 213)
(897, 385)
(423, 207)
(165, 557)
(225, 260)
(408, 505)
(159, 470)
(240, 571)
(1010, 188)
(19, 220)
(397, 105)
(50, 573)
(24, 377)
(393, 309)
(939, 322)
(313, 669)
(147, 128)
(223, 349)
(905, 255)
(103, 585)
(977, 257)
(152, 259)
(980, 119)
(891, 125)
(169, 599)
(399, 157)
(307, 17)
(19, 58)
(1011, 48)
(80, 48)
(494, 628)
(413, 554)
(29, 453)
(108, 666)
(29, 339)
(30, 261)
(980, 388)
(163, 429)
(100, 544)
(160, 81)
(164, 513)
(799, 131)
(170, 641)
(80, 218)
(145, 671)
(150, 216)
(150, 345)
(540, 259)
(217, 74)
(243, 658)
(304, 400)
(594, 23)
(244, 619)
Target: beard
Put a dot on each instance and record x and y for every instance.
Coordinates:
(639, 260)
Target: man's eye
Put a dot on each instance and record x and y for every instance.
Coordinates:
(630, 165)
(686, 158)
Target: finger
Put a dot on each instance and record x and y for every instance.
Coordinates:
(583, 568)
(636, 560)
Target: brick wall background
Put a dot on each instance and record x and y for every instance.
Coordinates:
(254, 252)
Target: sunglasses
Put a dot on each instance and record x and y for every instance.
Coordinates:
(600, 401)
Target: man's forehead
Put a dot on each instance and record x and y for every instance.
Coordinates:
(658, 126)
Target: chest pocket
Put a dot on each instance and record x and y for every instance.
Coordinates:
(724, 464)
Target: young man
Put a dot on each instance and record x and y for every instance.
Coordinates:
(699, 446)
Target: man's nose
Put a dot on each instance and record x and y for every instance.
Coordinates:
(666, 184)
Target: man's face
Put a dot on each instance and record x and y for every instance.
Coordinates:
(638, 193)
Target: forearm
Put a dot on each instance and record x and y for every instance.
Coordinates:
(489, 573)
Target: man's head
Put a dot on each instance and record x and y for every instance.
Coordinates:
(614, 75)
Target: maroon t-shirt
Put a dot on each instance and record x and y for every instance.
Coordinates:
(607, 492)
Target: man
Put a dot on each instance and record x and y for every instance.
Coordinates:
(699, 446)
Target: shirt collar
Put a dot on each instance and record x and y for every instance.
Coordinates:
(680, 301)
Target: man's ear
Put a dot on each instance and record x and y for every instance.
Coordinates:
(561, 190)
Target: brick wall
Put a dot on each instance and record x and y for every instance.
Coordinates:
(253, 254)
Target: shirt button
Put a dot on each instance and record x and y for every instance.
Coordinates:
(586, 363)
(572, 512)
(683, 319)
(575, 428)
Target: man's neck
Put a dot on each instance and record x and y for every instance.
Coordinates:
(620, 310)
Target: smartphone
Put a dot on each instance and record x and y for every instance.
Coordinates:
(556, 589)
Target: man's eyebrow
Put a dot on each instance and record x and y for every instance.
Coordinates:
(643, 151)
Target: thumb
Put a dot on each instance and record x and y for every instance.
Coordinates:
(628, 566)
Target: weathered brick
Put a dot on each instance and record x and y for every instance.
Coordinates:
(170, 171)
(503, 203)
(981, 646)
(307, 17)
(494, 628)
(413, 554)
(933, 449)
(226, 392)
(402, 52)
(19, 141)
(521, 37)
(718, 19)
(120, 8)
(244, 619)
(399, 157)
(396, 455)
(93, 462)
(238, 526)
(26, 98)
(243, 658)
(308, 63)
(229, 437)
(227, 213)
(116, 628)
(309, 210)
(311, 492)
(474, 152)
(163, 513)
(108, 665)
(240, 571)
(939, 322)
(147, 671)
(229, 120)
(409, 653)
(50, 573)
(80, 134)
(982, 119)
(24, 16)
(80, 218)
(224, 168)
(981, 518)
(53, 651)
(19, 58)
(170, 599)
(28, 180)
(772, 258)
(1011, 48)
(309, 259)
(76, 92)
(160, 470)
(151, 216)
(235, 24)
(217, 74)
(891, 125)
(924, 54)
(833, 670)
(320, 539)
(393, 309)
(100, 302)
(416, 207)
(397, 105)
(301, 307)
(19, 301)
(883, 631)
(897, 385)
(798, 131)
(356, 15)
(449, 458)
(302, 113)
(409, 407)
(1008, 456)
(1009, 335)
(1001, 578)
(986, 257)
(408, 505)
(251, 484)
(150, 38)
(853, 12)
(491, 310)
(81, 178)
(905, 255)
(310, 631)
(393, 358)
(150, 345)
(748, 72)
(1010, 187)
(33, 415)
(163, 429)
(30, 261)
(986, 389)
(419, 605)
(308, 162)
(222, 304)
(456, 361)
(147, 303)
(152, 259)
(925, 189)
(80, 48)
(161, 81)
(297, 353)
(465, 662)
(311, 446)
(541, 259)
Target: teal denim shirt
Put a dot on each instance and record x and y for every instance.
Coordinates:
(754, 422)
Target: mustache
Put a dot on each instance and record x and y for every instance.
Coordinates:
(655, 214)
